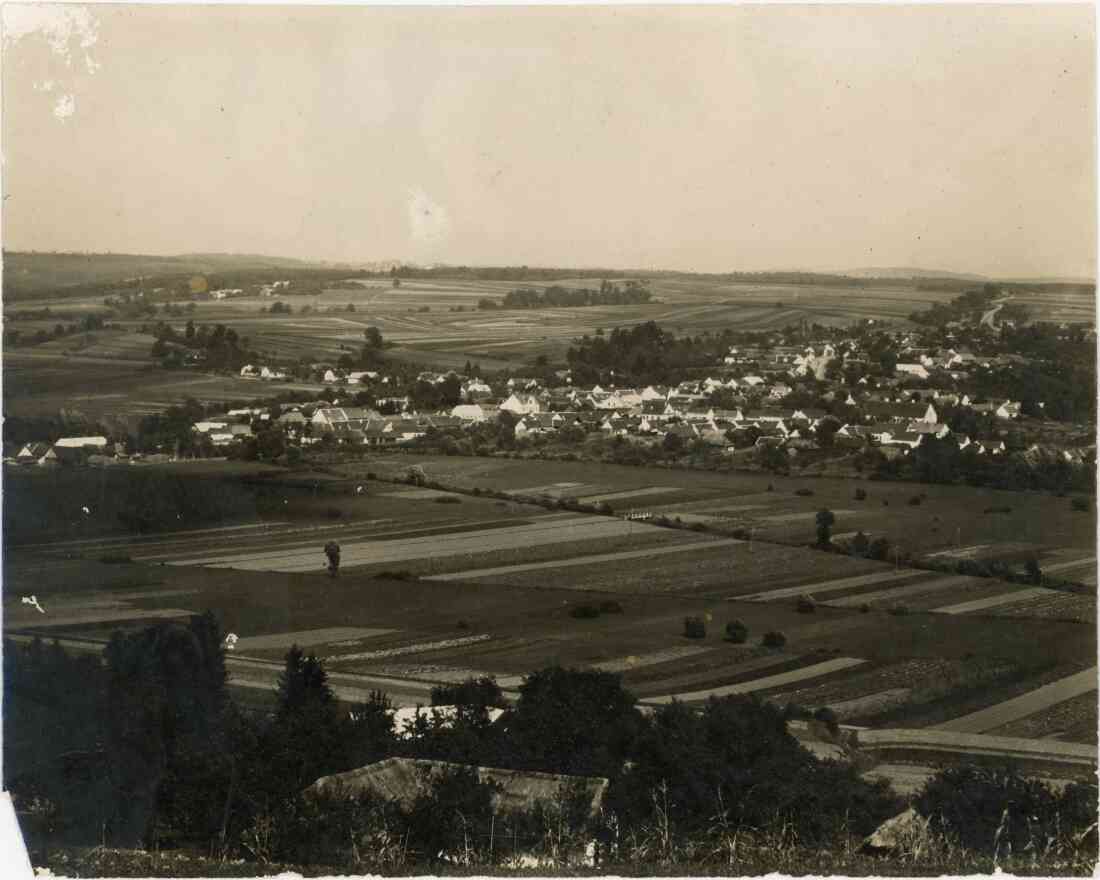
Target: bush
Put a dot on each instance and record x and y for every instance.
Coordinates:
(829, 718)
(333, 512)
(610, 606)
(864, 608)
(899, 610)
(737, 632)
(448, 499)
(695, 628)
(1081, 505)
(805, 605)
(915, 501)
(371, 475)
(584, 612)
(805, 493)
(774, 639)
(989, 807)
(997, 510)
(115, 558)
(401, 575)
(860, 495)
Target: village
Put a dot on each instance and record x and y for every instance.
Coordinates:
(795, 398)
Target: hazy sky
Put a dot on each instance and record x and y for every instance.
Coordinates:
(737, 138)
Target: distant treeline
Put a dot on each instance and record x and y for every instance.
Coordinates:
(609, 294)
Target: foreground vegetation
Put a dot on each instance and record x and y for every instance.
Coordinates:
(154, 754)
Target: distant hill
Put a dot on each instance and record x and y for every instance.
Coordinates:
(910, 272)
(27, 272)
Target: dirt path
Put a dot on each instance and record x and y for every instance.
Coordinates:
(993, 601)
(1027, 704)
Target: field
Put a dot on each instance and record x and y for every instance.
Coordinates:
(430, 592)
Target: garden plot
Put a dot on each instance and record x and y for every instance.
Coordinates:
(625, 664)
(1073, 720)
(1038, 700)
(891, 679)
(628, 493)
(337, 636)
(825, 667)
(1054, 605)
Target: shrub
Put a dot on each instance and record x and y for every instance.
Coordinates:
(448, 499)
(771, 488)
(915, 501)
(737, 632)
(805, 605)
(899, 610)
(864, 608)
(1081, 505)
(462, 624)
(476, 492)
(371, 475)
(401, 575)
(989, 807)
(333, 512)
(610, 606)
(115, 558)
(695, 628)
(998, 510)
(829, 718)
(860, 495)
(805, 493)
(584, 612)
(774, 639)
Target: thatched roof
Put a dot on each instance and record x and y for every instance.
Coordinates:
(403, 779)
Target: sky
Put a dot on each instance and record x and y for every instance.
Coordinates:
(697, 138)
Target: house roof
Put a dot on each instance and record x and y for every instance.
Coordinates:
(403, 779)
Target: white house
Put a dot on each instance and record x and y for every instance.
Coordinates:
(81, 442)
(918, 370)
(521, 404)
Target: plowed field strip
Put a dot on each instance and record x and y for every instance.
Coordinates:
(1026, 704)
(783, 678)
(307, 638)
(298, 539)
(374, 552)
(993, 601)
(578, 560)
(932, 586)
(837, 585)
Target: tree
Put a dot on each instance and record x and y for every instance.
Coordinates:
(825, 519)
(332, 553)
(573, 721)
(826, 431)
(860, 544)
(166, 690)
(1034, 572)
(373, 336)
(306, 739)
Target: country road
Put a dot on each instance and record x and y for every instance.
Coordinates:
(987, 318)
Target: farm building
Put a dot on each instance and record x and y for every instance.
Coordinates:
(403, 779)
(332, 418)
(81, 442)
